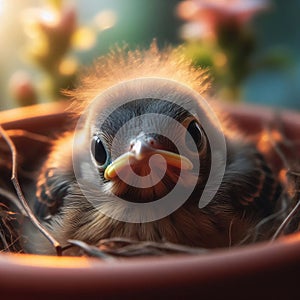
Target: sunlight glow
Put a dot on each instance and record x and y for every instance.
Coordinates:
(33, 17)
(2, 4)
(50, 261)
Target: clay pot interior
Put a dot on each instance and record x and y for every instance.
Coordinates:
(264, 268)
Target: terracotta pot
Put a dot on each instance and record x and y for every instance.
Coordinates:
(269, 270)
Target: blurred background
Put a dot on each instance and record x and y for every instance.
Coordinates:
(251, 47)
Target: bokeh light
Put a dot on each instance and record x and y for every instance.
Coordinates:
(84, 38)
(105, 19)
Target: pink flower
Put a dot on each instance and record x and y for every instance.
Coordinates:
(22, 89)
(212, 14)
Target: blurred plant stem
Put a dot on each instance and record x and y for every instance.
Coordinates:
(237, 44)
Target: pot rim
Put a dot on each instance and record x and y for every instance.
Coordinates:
(264, 268)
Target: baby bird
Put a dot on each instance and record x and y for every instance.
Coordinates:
(151, 160)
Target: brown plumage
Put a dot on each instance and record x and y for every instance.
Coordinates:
(248, 192)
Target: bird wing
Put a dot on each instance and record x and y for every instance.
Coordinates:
(55, 178)
(249, 181)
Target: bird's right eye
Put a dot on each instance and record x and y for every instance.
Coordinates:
(196, 134)
(99, 152)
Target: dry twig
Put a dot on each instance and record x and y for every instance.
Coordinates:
(15, 181)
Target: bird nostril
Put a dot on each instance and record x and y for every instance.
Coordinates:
(145, 142)
(151, 142)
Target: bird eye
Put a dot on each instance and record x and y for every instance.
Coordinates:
(99, 152)
(197, 135)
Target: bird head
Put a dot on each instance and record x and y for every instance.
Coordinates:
(144, 140)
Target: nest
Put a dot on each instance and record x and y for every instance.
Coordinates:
(22, 150)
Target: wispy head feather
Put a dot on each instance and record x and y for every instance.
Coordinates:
(122, 64)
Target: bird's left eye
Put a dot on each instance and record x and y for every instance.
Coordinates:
(99, 152)
(196, 134)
